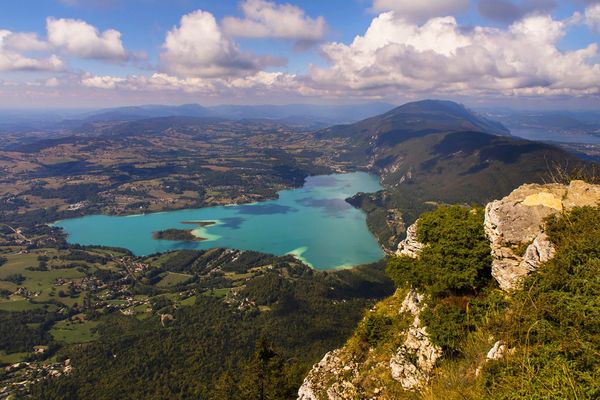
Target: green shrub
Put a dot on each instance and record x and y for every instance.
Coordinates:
(447, 324)
(17, 279)
(375, 328)
(457, 258)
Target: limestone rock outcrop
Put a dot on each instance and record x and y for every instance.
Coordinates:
(414, 361)
(515, 226)
(315, 387)
(497, 351)
(341, 376)
(410, 246)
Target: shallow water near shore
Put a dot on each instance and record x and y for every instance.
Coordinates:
(314, 223)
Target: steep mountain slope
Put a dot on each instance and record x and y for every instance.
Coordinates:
(450, 332)
(438, 151)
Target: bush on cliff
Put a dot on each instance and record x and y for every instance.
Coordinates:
(457, 258)
(452, 271)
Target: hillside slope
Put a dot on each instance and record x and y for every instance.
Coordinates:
(451, 332)
(438, 151)
(257, 324)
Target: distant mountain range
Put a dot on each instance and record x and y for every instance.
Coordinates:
(560, 121)
(309, 115)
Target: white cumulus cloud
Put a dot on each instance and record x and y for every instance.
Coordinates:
(101, 82)
(261, 82)
(199, 48)
(267, 19)
(13, 48)
(24, 41)
(592, 17)
(440, 57)
(81, 39)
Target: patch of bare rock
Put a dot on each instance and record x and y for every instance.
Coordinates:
(515, 226)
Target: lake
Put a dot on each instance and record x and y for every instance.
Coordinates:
(545, 135)
(314, 223)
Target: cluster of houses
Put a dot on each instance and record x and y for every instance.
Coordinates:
(20, 376)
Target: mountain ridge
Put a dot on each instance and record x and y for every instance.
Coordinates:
(315, 115)
(450, 116)
(438, 151)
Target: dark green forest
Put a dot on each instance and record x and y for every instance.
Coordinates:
(216, 350)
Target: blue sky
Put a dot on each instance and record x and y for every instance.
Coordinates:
(97, 53)
(143, 23)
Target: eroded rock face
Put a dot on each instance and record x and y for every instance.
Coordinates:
(338, 376)
(414, 361)
(515, 223)
(410, 246)
(315, 387)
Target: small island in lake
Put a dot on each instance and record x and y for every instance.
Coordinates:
(181, 235)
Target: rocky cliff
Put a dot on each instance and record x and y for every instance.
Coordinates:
(355, 372)
(406, 363)
(516, 231)
(341, 374)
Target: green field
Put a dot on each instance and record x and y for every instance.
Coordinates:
(19, 305)
(12, 358)
(80, 331)
(190, 301)
(42, 283)
(172, 279)
(8, 286)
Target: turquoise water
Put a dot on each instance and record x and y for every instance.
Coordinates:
(314, 223)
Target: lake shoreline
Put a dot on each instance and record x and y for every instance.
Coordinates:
(316, 219)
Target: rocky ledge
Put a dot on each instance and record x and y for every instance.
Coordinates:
(410, 246)
(515, 226)
(341, 375)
